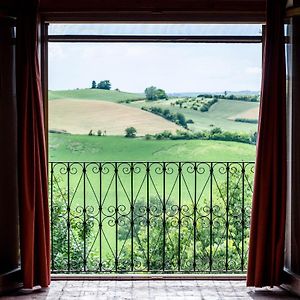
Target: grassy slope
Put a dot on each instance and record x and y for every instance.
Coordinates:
(94, 94)
(93, 148)
(217, 115)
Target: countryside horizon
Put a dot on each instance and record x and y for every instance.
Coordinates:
(208, 101)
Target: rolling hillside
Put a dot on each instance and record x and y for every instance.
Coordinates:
(94, 94)
(221, 114)
(81, 116)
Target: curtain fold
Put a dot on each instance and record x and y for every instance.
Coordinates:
(32, 158)
(266, 249)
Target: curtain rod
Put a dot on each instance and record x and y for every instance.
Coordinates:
(293, 12)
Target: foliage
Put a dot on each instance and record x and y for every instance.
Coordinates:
(94, 84)
(161, 94)
(214, 134)
(153, 93)
(244, 120)
(206, 106)
(202, 104)
(104, 85)
(70, 240)
(177, 118)
(239, 202)
(130, 132)
(252, 98)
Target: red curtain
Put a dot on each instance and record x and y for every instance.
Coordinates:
(33, 190)
(266, 252)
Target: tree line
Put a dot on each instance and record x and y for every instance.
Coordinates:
(102, 85)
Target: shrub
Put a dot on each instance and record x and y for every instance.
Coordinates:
(130, 132)
(216, 130)
(244, 120)
(177, 118)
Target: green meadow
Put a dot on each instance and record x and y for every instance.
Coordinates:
(94, 94)
(67, 147)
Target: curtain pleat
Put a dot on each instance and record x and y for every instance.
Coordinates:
(33, 189)
(266, 249)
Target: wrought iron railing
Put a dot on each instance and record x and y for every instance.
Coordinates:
(155, 217)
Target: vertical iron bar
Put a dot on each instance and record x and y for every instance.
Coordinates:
(100, 215)
(243, 214)
(131, 209)
(211, 217)
(195, 216)
(84, 218)
(164, 216)
(179, 215)
(51, 209)
(227, 213)
(116, 218)
(68, 211)
(148, 216)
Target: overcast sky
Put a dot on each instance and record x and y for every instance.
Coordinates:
(174, 67)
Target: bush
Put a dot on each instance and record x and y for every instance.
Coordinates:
(244, 120)
(130, 132)
(177, 118)
(216, 130)
(206, 106)
(214, 134)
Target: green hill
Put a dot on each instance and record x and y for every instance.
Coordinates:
(220, 114)
(64, 147)
(95, 94)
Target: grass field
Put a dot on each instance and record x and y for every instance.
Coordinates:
(94, 94)
(79, 148)
(219, 115)
(65, 147)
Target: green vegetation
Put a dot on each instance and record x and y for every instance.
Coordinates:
(104, 85)
(201, 104)
(64, 147)
(215, 134)
(130, 132)
(153, 93)
(177, 118)
(221, 114)
(244, 120)
(84, 230)
(95, 94)
(250, 98)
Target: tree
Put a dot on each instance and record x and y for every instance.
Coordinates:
(161, 94)
(181, 119)
(130, 132)
(104, 85)
(94, 84)
(150, 93)
(153, 93)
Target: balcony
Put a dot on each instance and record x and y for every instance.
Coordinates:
(150, 217)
